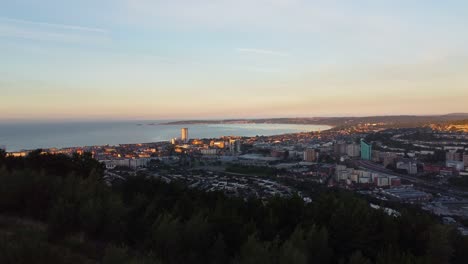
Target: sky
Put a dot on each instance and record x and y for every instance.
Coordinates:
(189, 59)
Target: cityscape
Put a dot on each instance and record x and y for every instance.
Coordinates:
(234, 132)
(426, 166)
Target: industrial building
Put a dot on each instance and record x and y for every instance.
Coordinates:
(407, 195)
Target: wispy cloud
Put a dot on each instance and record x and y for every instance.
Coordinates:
(61, 26)
(44, 31)
(262, 52)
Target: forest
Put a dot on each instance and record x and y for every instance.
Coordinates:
(60, 209)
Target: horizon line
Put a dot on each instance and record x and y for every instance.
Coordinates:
(111, 119)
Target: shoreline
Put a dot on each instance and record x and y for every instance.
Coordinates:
(260, 132)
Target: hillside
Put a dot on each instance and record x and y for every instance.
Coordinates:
(390, 121)
(55, 209)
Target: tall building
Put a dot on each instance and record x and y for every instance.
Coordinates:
(184, 136)
(235, 146)
(465, 160)
(310, 155)
(366, 150)
(340, 148)
(353, 150)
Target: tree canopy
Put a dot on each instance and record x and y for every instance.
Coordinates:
(144, 220)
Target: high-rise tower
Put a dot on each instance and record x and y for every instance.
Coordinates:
(366, 150)
(184, 137)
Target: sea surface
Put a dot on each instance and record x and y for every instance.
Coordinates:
(22, 136)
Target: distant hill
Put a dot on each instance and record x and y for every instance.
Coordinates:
(458, 115)
(385, 121)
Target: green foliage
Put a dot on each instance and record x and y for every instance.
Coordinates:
(392, 256)
(26, 242)
(56, 165)
(155, 222)
(116, 255)
(218, 251)
(439, 249)
(254, 251)
(294, 250)
(317, 245)
(358, 258)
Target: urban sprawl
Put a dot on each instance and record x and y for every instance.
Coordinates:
(426, 166)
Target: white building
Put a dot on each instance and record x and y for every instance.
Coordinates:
(353, 150)
(410, 166)
(457, 165)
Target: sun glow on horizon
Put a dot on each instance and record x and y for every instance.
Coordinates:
(225, 59)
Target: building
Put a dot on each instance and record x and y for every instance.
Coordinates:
(366, 150)
(395, 181)
(310, 155)
(130, 163)
(279, 153)
(407, 195)
(377, 156)
(184, 136)
(389, 159)
(382, 181)
(234, 146)
(209, 151)
(465, 160)
(457, 165)
(353, 150)
(453, 156)
(217, 144)
(198, 142)
(410, 166)
(342, 173)
(340, 148)
(18, 154)
(429, 168)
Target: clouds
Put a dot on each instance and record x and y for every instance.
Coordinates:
(44, 31)
(224, 56)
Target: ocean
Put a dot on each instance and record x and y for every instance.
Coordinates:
(22, 136)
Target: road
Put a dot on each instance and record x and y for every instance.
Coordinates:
(422, 184)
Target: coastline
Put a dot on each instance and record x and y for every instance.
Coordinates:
(34, 136)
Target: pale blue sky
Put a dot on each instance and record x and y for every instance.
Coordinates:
(149, 59)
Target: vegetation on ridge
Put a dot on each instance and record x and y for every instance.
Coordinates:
(56, 209)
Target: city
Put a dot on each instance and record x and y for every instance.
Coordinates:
(426, 166)
(234, 132)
